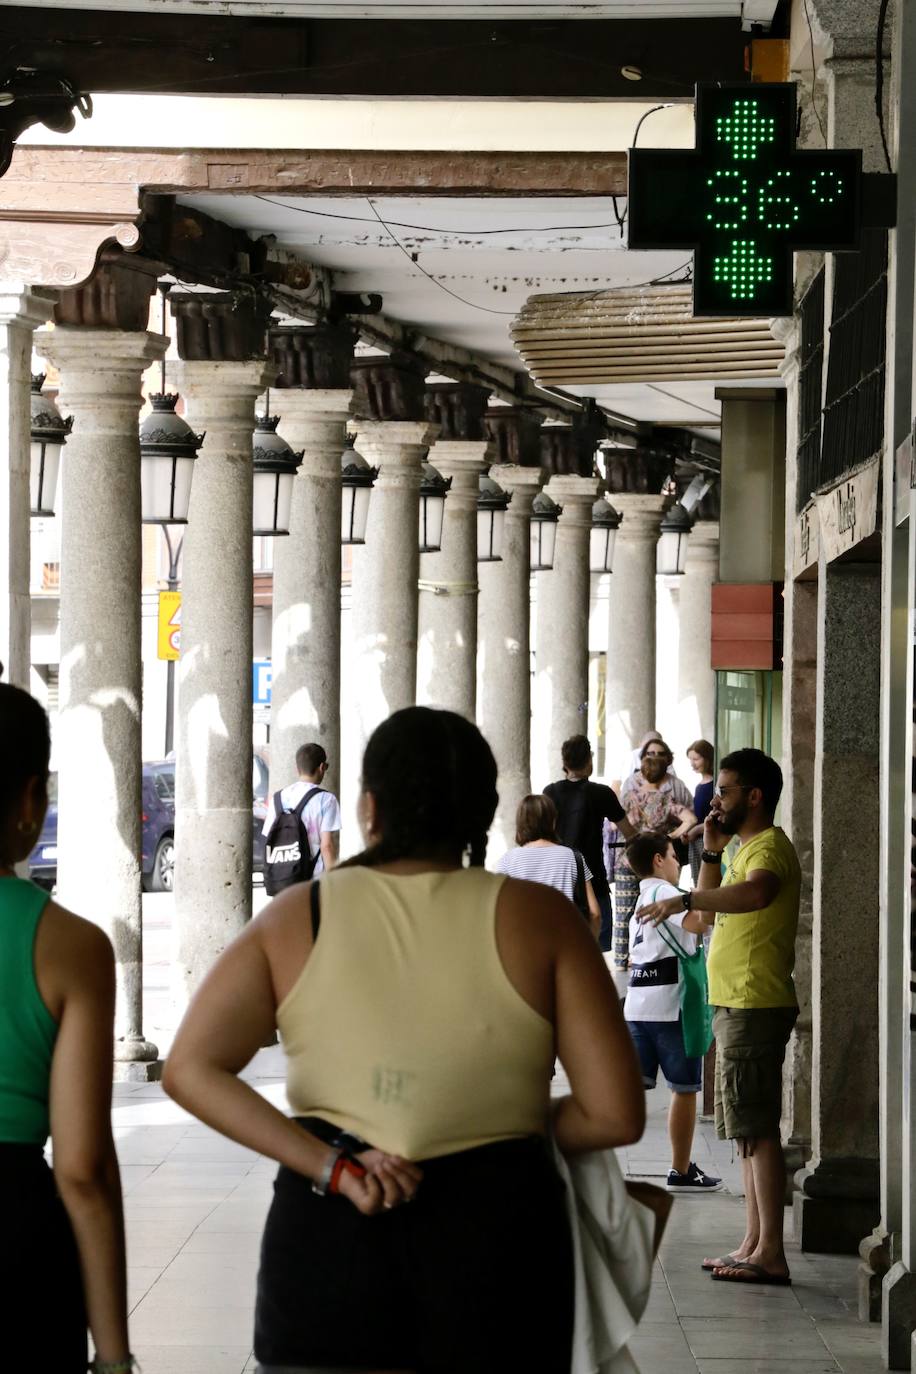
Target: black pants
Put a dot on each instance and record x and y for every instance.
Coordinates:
(475, 1276)
(42, 1311)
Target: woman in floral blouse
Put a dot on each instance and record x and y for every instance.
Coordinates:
(653, 799)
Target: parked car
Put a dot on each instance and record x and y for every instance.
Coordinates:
(157, 856)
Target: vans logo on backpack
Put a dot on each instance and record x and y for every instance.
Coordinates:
(288, 857)
(283, 854)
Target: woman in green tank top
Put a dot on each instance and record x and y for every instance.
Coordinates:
(66, 1268)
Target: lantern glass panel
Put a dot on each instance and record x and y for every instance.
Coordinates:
(602, 540)
(165, 488)
(354, 514)
(490, 526)
(272, 497)
(671, 555)
(543, 542)
(432, 513)
(45, 466)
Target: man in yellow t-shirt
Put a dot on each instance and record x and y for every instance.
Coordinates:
(755, 912)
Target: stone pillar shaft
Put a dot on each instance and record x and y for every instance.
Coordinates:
(696, 680)
(447, 659)
(838, 1201)
(385, 572)
(213, 820)
(630, 690)
(305, 701)
(561, 674)
(21, 311)
(503, 656)
(98, 728)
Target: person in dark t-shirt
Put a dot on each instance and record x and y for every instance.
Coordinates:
(582, 808)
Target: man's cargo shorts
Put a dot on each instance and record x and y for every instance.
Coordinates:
(750, 1049)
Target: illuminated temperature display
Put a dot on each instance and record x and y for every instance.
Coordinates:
(744, 200)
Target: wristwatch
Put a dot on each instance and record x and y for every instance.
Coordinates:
(337, 1163)
(687, 899)
(711, 856)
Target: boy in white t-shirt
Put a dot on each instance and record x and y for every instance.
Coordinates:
(652, 1007)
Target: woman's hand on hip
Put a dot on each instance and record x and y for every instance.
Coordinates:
(389, 1181)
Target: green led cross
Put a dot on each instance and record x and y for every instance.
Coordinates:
(746, 129)
(744, 199)
(743, 269)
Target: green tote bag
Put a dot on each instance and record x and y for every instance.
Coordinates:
(693, 990)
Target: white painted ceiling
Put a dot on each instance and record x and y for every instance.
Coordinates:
(749, 11)
(493, 253)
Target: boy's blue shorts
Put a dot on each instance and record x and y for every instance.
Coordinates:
(660, 1045)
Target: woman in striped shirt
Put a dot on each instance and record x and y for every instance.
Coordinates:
(541, 858)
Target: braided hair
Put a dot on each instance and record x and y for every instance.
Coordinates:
(433, 777)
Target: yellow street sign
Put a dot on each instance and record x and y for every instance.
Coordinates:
(169, 625)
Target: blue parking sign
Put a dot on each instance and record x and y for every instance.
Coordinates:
(262, 681)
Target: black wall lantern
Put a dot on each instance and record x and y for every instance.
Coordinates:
(492, 504)
(671, 554)
(545, 515)
(357, 479)
(433, 491)
(603, 537)
(275, 466)
(168, 449)
(48, 434)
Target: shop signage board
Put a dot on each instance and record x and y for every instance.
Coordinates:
(807, 541)
(169, 636)
(744, 199)
(848, 513)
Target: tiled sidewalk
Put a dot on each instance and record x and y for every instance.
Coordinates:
(195, 1205)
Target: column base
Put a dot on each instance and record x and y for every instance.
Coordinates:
(875, 1260)
(138, 1071)
(136, 1061)
(835, 1204)
(898, 1334)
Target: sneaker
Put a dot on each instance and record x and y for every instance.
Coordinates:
(694, 1181)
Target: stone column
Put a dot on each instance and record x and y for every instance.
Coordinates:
(220, 382)
(305, 700)
(631, 632)
(696, 681)
(394, 436)
(98, 728)
(561, 673)
(837, 1197)
(22, 309)
(503, 653)
(447, 654)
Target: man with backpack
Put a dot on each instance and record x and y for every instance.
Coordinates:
(302, 828)
(582, 807)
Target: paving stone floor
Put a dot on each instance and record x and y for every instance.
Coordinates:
(195, 1204)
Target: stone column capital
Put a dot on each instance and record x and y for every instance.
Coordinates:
(396, 447)
(463, 460)
(641, 514)
(27, 305)
(100, 369)
(576, 495)
(704, 535)
(315, 423)
(523, 483)
(75, 349)
(304, 406)
(210, 385)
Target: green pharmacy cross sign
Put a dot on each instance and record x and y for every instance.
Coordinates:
(744, 200)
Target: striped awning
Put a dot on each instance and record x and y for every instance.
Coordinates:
(644, 334)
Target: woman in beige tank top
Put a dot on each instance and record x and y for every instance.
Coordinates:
(420, 1001)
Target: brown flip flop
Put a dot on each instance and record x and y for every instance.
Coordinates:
(732, 1274)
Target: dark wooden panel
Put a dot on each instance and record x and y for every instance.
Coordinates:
(214, 54)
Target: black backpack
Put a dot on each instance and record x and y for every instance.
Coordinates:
(288, 858)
